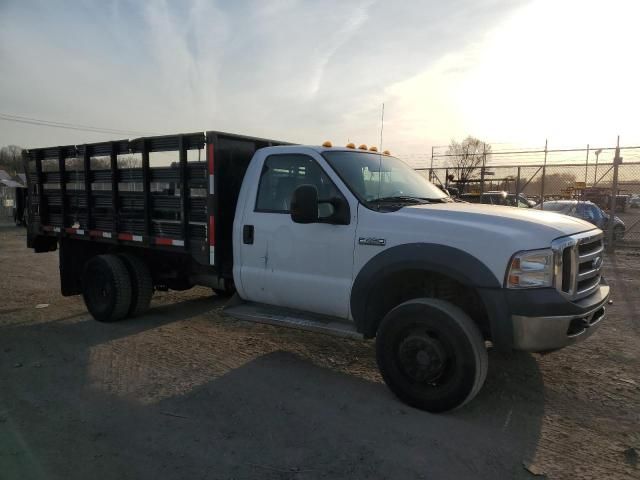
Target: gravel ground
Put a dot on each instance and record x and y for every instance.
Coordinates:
(184, 392)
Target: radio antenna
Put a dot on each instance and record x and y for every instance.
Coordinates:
(380, 155)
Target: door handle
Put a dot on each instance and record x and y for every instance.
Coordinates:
(247, 234)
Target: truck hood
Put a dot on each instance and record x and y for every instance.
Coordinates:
(507, 220)
(490, 233)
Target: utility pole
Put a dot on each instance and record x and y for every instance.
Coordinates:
(617, 160)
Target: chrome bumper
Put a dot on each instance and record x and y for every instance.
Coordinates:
(539, 334)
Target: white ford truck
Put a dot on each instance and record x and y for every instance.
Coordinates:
(343, 241)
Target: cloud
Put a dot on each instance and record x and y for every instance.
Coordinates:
(296, 70)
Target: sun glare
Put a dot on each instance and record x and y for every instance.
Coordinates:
(565, 71)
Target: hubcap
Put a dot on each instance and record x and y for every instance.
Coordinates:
(422, 357)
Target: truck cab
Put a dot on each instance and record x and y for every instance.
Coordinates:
(358, 235)
(344, 241)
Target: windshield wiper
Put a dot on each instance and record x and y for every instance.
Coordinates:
(401, 198)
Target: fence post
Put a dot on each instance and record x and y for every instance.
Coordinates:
(544, 170)
(613, 200)
(518, 182)
(446, 178)
(484, 162)
(431, 168)
(586, 172)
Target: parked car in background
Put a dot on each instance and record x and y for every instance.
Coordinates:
(498, 198)
(588, 211)
(634, 201)
(521, 200)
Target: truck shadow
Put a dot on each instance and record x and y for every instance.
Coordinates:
(276, 416)
(281, 412)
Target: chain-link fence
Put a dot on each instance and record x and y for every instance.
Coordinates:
(577, 182)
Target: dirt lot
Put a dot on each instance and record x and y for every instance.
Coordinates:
(184, 392)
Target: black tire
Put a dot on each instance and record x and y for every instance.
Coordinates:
(618, 233)
(431, 354)
(106, 288)
(141, 284)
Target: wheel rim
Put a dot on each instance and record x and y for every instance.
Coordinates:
(424, 358)
(99, 290)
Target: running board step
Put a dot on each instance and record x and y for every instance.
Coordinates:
(284, 317)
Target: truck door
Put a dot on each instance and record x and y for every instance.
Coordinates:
(302, 266)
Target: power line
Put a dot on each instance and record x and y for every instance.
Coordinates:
(69, 126)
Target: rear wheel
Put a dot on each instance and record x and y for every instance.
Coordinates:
(431, 354)
(106, 288)
(141, 284)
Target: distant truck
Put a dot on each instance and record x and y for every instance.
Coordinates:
(602, 198)
(343, 241)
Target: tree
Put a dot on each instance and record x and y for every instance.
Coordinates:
(466, 157)
(11, 159)
(129, 161)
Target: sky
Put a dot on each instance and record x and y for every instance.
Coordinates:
(509, 72)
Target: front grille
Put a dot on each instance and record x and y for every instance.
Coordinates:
(578, 264)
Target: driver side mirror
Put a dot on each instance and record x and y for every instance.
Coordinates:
(304, 204)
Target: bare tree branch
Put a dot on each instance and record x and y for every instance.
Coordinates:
(466, 157)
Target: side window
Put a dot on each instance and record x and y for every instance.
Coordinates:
(282, 174)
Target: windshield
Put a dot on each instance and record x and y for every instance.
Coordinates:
(373, 177)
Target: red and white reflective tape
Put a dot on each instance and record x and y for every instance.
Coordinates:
(211, 225)
(210, 165)
(97, 233)
(212, 240)
(168, 241)
(76, 231)
(130, 237)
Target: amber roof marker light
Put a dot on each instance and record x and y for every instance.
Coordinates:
(327, 144)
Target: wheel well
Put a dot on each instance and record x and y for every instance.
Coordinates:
(398, 287)
(168, 269)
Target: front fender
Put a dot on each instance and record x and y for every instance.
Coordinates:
(372, 280)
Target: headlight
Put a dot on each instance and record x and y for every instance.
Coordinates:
(531, 269)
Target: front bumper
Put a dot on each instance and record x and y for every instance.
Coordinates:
(544, 333)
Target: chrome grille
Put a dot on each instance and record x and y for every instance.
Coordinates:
(578, 263)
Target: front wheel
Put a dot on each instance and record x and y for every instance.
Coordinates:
(431, 354)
